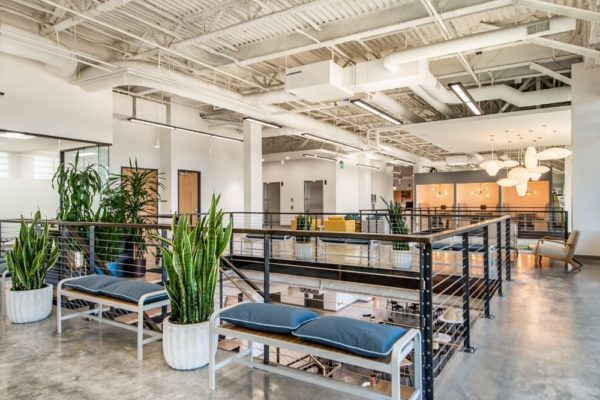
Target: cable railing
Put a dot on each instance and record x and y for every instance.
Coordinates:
(442, 282)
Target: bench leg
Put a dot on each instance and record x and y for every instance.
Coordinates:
(140, 335)
(58, 310)
(250, 354)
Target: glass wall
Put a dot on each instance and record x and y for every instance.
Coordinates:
(477, 195)
(436, 195)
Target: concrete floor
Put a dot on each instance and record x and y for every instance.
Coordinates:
(542, 345)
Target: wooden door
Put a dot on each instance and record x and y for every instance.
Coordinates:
(151, 209)
(188, 192)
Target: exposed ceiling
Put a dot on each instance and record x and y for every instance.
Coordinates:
(246, 46)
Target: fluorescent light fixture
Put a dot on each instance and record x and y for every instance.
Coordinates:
(15, 135)
(322, 139)
(265, 123)
(461, 92)
(180, 129)
(87, 154)
(376, 111)
(367, 166)
(319, 157)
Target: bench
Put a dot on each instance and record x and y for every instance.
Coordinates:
(3, 281)
(409, 342)
(148, 297)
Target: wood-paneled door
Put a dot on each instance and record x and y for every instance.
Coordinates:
(151, 209)
(188, 183)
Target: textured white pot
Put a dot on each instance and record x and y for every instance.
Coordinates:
(402, 259)
(304, 251)
(185, 346)
(28, 305)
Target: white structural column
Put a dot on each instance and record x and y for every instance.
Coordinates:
(585, 124)
(253, 183)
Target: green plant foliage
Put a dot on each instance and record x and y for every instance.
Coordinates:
(77, 189)
(32, 256)
(192, 262)
(397, 223)
(303, 223)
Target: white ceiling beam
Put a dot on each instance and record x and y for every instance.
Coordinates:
(94, 12)
(560, 9)
(550, 73)
(568, 47)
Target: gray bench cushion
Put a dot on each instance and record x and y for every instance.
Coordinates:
(91, 283)
(130, 290)
(2, 267)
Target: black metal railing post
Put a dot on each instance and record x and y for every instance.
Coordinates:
(231, 239)
(508, 248)
(499, 256)
(63, 252)
(426, 319)
(566, 225)
(92, 250)
(486, 272)
(466, 295)
(266, 284)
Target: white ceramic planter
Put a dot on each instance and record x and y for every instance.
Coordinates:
(304, 251)
(402, 259)
(185, 346)
(28, 305)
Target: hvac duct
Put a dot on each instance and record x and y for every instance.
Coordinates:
(479, 41)
(14, 41)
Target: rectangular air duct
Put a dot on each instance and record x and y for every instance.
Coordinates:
(316, 82)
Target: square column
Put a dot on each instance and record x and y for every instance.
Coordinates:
(253, 184)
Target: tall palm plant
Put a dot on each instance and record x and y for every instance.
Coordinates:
(192, 262)
(398, 226)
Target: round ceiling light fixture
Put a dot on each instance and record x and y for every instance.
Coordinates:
(531, 159)
(535, 176)
(506, 182)
(519, 174)
(492, 166)
(510, 163)
(553, 153)
(521, 189)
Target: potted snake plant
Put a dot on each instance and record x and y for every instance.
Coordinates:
(303, 248)
(192, 262)
(29, 261)
(402, 256)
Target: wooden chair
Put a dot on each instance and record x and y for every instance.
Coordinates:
(557, 249)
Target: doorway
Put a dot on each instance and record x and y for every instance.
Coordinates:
(188, 192)
(313, 196)
(272, 203)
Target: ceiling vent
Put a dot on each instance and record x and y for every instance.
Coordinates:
(316, 82)
(538, 27)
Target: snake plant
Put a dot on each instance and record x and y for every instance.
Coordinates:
(303, 223)
(397, 223)
(32, 256)
(192, 262)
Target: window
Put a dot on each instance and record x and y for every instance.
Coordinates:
(3, 164)
(44, 167)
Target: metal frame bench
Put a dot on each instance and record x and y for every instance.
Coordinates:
(390, 364)
(103, 300)
(3, 282)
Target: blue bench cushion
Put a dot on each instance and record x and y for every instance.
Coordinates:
(130, 290)
(276, 318)
(360, 337)
(91, 283)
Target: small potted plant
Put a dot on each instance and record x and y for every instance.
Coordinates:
(402, 256)
(192, 262)
(303, 243)
(33, 255)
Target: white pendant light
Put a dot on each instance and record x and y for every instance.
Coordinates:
(510, 163)
(553, 153)
(507, 182)
(540, 169)
(521, 189)
(531, 160)
(492, 166)
(535, 176)
(519, 174)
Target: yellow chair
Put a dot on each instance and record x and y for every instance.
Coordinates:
(339, 224)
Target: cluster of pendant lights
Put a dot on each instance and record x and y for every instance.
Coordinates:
(518, 176)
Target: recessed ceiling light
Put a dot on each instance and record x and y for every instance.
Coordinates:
(15, 135)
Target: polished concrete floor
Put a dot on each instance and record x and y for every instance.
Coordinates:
(543, 344)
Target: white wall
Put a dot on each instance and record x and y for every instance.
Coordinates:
(347, 189)
(382, 185)
(585, 122)
(37, 102)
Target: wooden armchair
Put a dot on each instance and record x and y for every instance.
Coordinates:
(557, 249)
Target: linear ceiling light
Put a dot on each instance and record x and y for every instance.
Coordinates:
(178, 128)
(322, 139)
(376, 111)
(319, 157)
(367, 166)
(265, 123)
(461, 92)
(15, 135)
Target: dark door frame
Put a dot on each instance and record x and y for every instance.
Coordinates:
(199, 188)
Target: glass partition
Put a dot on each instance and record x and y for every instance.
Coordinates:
(435, 195)
(477, 195)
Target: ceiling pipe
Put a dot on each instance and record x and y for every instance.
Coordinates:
(143, 74)
(12, 42)
(479, 41)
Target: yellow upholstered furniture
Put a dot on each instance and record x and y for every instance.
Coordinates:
(339, 224)
(313, 226)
